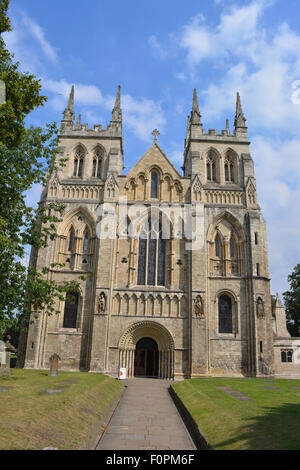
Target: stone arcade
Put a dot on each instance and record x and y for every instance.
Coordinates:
(164, 306)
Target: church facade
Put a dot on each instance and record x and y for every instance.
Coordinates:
(176, 266)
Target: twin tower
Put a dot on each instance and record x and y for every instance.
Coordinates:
(179, 283)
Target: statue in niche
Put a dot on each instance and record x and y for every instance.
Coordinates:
(260, 310)
(101, 303)
(199, 307)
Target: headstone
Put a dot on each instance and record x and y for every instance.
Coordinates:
(5, 351)
(54, 365)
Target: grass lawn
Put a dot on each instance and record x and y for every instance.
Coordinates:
(271, 421)
(31, 419)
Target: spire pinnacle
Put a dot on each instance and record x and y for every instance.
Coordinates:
(117, 111)
(240, 120)
(69, 115)
(195, 115)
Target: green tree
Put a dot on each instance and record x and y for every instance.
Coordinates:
(292, 302)
(27, 157)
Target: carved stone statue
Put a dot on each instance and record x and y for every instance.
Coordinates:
(199, 307)
(260, 309)
(101, 302)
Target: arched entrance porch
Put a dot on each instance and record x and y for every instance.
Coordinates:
(157, 359)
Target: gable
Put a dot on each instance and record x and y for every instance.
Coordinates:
(154, 158)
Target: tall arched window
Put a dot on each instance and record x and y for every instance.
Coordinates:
(86, 240)
(97, 163)
(71, 239)
(211, 168)
(71, 310)
(229, 168)
(232, 248)
(225, 314)
(78, 162)
(152, 254)
(154, 185)
(217, 246)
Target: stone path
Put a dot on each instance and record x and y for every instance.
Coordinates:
(146, 418)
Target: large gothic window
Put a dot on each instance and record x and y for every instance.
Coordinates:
(71, 310)
(225, 314)
(152, 254)
(78, 162)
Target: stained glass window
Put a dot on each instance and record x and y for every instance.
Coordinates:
(225, 314)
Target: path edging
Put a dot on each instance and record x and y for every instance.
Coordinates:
(199, 439)
(92, 441)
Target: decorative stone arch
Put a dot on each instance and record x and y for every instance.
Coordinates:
(98, 146)
(167, 187)
(155, 331)
(226, 226)
(79, 145)
(130, 188)
(80, 219)
(141, 184)
(226, 216)
(77, 211)
(178, 191)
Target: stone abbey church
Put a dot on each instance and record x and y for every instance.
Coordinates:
(176, 266)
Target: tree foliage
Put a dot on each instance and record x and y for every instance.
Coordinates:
(292, 302)
(27, 158)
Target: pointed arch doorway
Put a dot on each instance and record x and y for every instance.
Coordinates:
(146, 358)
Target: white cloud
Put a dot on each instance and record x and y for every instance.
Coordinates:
(277, 168)
(231, 36)
(142, 116)
(26, 41)
(162, 53)
(38, 33)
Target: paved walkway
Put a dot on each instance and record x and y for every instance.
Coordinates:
(146, 418)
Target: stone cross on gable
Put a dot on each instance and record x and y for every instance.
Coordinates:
(155, 133)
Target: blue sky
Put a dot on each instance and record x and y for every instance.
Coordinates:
(158, 52)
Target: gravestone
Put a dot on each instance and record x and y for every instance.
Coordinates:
(5, 351)
(54, 365)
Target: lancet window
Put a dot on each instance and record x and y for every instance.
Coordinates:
(151, 254)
